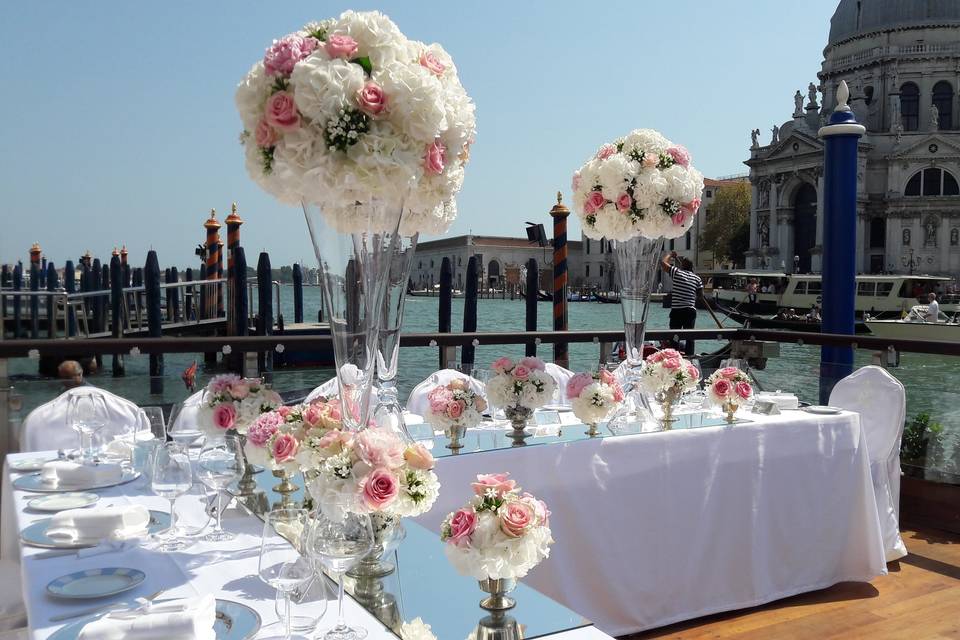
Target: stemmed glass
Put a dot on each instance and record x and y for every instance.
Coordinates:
(338, 539)
(171, 477)
(185, 432)
(281, 564)
(220, 463)
(88, 415)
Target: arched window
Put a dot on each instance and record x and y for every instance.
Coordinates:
(868, 95)
(910, 106)
(932, 182)
(943, 100)
(878, 233)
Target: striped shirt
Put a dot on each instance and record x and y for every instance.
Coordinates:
(686, 284)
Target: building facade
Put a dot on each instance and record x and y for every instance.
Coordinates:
(901, 60)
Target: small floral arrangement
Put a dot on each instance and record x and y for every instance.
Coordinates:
(499, 533)
(668, 372)
(416, 629)
(594, 396)
(232, 402)
(274, 438)
(454, 404)
(729, 385)
(524, 383)
(641, 184)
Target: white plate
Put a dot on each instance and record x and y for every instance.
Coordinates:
(822, 410)
(95, 583)
(29, 464)
(32, 482)
(63, 501)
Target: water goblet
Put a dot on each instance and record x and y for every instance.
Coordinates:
(185, 432)
(281, 564)
(220, 463)
(157, 425)
(171, 477)
(87, 413)
(337, 540)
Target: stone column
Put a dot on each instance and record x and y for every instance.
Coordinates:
(754, 238)
(861, 236)
(943, 237)
(775, 239)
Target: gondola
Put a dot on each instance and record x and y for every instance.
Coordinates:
(768, 322)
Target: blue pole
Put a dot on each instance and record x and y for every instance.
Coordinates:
(841, 137)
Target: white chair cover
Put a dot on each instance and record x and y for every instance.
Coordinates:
(417, 401)
(46, 427)
(880, 400)
(561, 376)
(330, 388)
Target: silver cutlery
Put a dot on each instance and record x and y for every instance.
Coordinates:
(103, 607)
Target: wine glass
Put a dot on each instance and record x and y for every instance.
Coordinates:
(338, 539)
(281, 564)
(157, 425)
(88, 415)
(171, 477)
(186, 432)
(220, 463)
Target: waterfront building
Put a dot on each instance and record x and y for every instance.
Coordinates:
(901, 60)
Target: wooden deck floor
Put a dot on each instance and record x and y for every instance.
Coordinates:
(918, 600)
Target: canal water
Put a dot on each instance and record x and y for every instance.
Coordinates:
(930, 380)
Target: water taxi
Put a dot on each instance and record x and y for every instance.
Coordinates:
(915, 326)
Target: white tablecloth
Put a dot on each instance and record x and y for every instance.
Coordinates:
(656, 528)
(226, 569)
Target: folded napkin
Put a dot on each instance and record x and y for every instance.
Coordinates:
(782, 400)
(172, 620)
(66, 474)
(99, 524)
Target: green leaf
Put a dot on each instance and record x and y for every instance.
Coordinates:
(365, 63)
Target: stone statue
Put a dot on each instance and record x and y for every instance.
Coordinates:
(812, 94)
(763, 230)
(776, 135)
(798, 104)
(930, 232)
(894, 113)
(755, 137)
(954, 237)
(858, 86)
(934, 117)
(906, 237)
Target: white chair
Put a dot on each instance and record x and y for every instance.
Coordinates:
(417, 401)
(46, 428)
(561, 376)
(880, 400)
(187, 418)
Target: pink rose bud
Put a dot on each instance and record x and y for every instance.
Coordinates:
(418, 457)
(380, 487)
(516, 519)
(225, 415)
(372, 99)
(265, 135)
(338, 46)
(624, 202)
(462, 525)
(285, 447)
(606, 151)
(281, 111)
(594, 203)
(435, 157)
(432, 63)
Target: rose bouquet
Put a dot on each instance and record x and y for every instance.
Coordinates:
(667, 375)
(524, 383)
(349, 110)
(499, 534)
(641, 184)
(275, 437)
(728, 388)
(454, 408)
(232, 402)
(594, 396)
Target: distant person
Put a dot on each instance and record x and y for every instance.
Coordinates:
(933, 309)
(687, 289)
(814, 315)
(71, 374)
(752, 291)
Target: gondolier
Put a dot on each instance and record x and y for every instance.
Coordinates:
(687, 289)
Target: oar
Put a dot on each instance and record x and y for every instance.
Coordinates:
(712, 314)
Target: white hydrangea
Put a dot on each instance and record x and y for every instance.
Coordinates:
(491, 554)
(594, 403)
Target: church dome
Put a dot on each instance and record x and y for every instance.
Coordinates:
(859, 16)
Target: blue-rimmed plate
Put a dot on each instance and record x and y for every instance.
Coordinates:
(235, 621)
(34, 483)
(95, 583)
(35, 535)
(62, 501)
(33, 463)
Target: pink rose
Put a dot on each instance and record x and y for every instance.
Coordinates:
(225, 415)
(692, 372)
(313, 415)
(649, 161)
(671, 353)
(502, 364)
(285, 53)
(372, 99)
(285, 447)
(521, 372)
(722, 388)
(380, 448)
(516, 518)
(606, 151)
(263, 428)
(655, 357)
(419, 457)
(284, 410)
(594, 202)
(539, 507)
(576, 182)
(221, 383)
(338, 46)
(744, 390)
(432, 63)
(533, 363)
(680, 155)
(380, 487)
(678, 218)
(500, 483)
(624, 202)
(281, 111)
(606, 377)
(691, 208)
(577, 383)
(462, 525)
(265, 135)
(336, 440)
(671, 364)
(728, 372)
(239, 390)
(435, 157)
(455, 409)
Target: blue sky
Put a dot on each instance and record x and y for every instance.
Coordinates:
(119, 124)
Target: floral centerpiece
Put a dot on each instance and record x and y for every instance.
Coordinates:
(454, 407)
(667, 375)
(274, 438)
(230, 402)
(728, 388)
(519, 387)
(593, 397)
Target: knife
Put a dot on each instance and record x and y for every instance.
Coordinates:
(103, 607)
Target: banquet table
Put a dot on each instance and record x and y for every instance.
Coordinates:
(655, 528)
(229, 570)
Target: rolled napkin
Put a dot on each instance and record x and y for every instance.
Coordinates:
(171, 620)
(66, 474)
(97, 525)
(782, 400)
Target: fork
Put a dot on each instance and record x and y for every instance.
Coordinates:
(103, 607)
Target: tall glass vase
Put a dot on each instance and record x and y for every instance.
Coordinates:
(388, 411)
(353, 251)
(636, 261)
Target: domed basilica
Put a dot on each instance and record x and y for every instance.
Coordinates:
(901, 60)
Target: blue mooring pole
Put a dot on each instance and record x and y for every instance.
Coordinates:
(841, 138)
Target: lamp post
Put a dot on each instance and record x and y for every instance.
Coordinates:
(911, 262)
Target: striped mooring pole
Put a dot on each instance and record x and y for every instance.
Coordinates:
(559, 213)
(233, 222)
(213, 262)
(841, 137)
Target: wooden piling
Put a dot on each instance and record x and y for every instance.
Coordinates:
(530, 303)
(446, 304)
(264, 313)
(175, 295)
(189, 297)
(167, 297)
(34, 300)
(467, 351)
(151, 283)
(297, 293)
(212, 264)
(70, 286)
(94, 300)
(233, 222)
(52, 284)
(17, 310)
(559, 213)
(116, 311)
